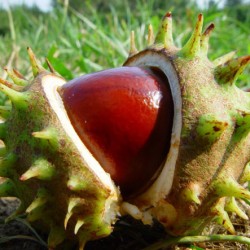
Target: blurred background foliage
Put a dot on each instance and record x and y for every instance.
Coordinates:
(80, 37)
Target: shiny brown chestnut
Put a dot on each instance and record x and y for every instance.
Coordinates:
(124, 117)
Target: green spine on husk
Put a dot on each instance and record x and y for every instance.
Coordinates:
(214, 142)
(39, 161)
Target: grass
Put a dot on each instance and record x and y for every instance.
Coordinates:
(78, 43)
(190, 239)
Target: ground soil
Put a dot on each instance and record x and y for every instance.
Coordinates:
(128, 234)
(14, 229)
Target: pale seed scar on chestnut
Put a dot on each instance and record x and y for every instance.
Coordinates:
(157, 139)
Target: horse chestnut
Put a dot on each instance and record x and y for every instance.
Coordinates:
(124, 117)
(124, 120)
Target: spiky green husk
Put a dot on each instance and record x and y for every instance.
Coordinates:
(46, 171)
(212, 148)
